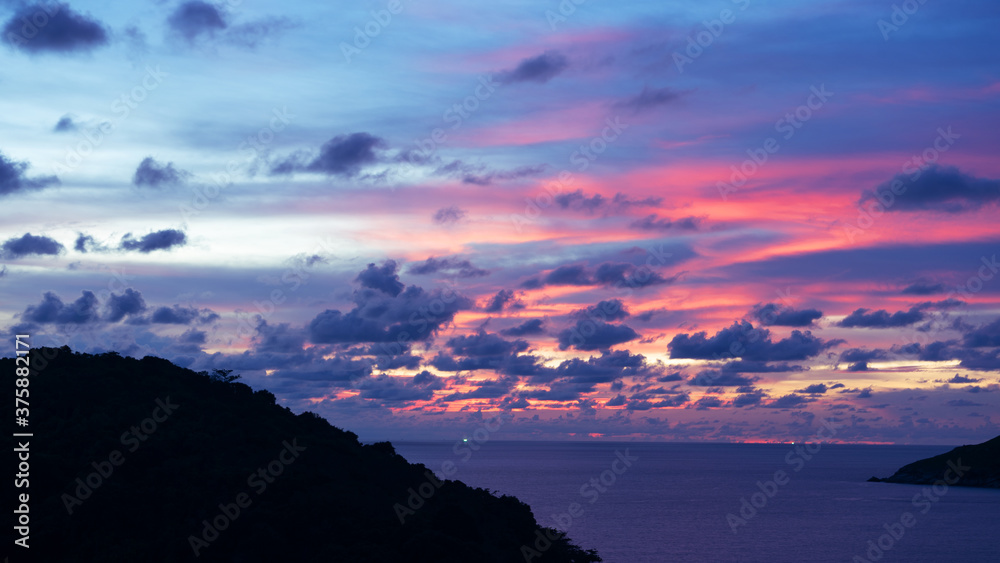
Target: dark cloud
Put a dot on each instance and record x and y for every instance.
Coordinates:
(448, 265)
(504, 299)
(343, 155)
(963, 379)
(152, 174)
(866, 318)
(616, 401)
(590, 334)
(650, 98)
(278, 339)
(963, 403)
(749, 399)
(657, 223)
(448, 215)
(157, 240)
(744, 341)
(577, 201)
(130, 302)
(194, 19)
(676, 376)
(924, 288)
(527, 328)
(84, 243)
(538, 69)
(29, 244)
(771, 314)
(53, 310)
(483, 344)
(984, 336)
(615, 274)
(13, 178)
(489, 389)
(180, 315)
(53, 27)
(382, 278)
(391, 389)
(609, 310)
(380, 316)
(862, 355)
(937, 188)
(65, 125)
(814, 389)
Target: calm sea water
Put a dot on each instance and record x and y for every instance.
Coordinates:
(671, 504)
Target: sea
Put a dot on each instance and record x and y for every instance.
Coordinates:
(640, 502)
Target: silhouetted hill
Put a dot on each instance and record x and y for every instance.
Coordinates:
(967, 466)
(158, 448)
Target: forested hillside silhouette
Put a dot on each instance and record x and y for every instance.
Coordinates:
(333, 499)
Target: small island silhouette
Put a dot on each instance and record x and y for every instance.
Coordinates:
(141, 460)
(964, 466)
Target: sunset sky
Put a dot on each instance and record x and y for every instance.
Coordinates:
(707, 221)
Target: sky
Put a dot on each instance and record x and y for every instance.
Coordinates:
(667, 221)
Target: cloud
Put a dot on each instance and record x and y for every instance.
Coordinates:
(157, 240)
(609, 310)
(744, 341)
(85, 243)
(984, 336)
(866, 318)
(448, 215)
(382, 278)
(717, 378)
(180, 315)
(527, 328)
(814, 389)
(29, 244)
(485, 344)
(771, 314)
(54, 27)
(538, 69)
(657, 223)
(13, 178)
(479, 175)
(504, 299)
(748, 399)
(923, 288)
(616, 401)
(937, 188)
(788, 401)
(384, 315)
(613, 274)
(650, 98)
(449, 265)
(963, 379)
(590, 334)
(194, 19)
(862, 355)
(130, 302)
(577, 201)
(152, 174)
(65, 125)
(53, 310)
(343, 155)
(963, 403)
